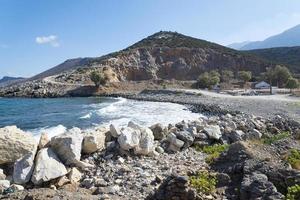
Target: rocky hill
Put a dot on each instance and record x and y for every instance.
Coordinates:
(7, 80)
(289, 56)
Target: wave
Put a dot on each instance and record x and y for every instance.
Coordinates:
(113, 106)
(87, 116)
(51, 131)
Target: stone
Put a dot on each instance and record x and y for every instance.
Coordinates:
(62, 181)
(87, 183)
(107, 190)
(133, 125)
(4, 184)
(213, 132)
(16, 187)
(68, 146)
(146, 142)
(93, 141)
(158, 131)
(44, 141)
(236, 135)
(121, 160)
(74, 175)
(159, 150)
(23, 169)
(47, 167)
(114, 131)
(253, 135)
(2, 175)
(175, 144)
(129, 138)
(187, 137)
(14, 144)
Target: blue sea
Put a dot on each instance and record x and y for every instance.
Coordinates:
(55, 116)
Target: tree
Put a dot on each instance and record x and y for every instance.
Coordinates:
(292, 83)
(226, 76)
(207, 80)
(281, 75)
(269, 75)
(98, 78)
(245, 76)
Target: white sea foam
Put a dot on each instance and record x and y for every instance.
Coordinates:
(87, 116)
(51, 131)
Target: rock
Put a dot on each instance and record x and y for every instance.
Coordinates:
(23, 168)
(121, 160)
(87, 183)
(114, 131)
(236, 135)
(62, 181)
(159, 150)
(68, 146)
(253, 135)
(213, 132)
(146, 142)
(14, 144)
(107, 190)
(2, 175)
(158, 131)
(257, 186)
(44, 140)
(129, 138)
(83, 165)
(47, 167)
(133, 125)
(4, 184)
(75, 175)
(93, 141)
(187, 137)
(175, 144)
(16, 187)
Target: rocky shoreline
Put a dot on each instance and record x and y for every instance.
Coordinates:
(155, 162)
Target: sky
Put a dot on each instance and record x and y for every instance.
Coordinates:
(37, 35)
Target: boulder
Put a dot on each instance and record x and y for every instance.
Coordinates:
(68, 146)
(213, 132)
(114, 131)
(175, 144)
(4, 184)
(2, 175)
(253, 135)
(23, 168)
(129, 138)
(158, 131)
(75, 175)
(16, 187)
(44, 140)
(146, 142)
(14, 144)
(236, 135)
(187, 137)
(47, 167)
(133, 125)
(93, 141)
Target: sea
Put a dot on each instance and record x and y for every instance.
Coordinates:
(56, 115)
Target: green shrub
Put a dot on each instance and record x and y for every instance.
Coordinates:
(275, 138)
(99, 78)
(293, 193)
(294, 158)
(212, 151)
(203, 182)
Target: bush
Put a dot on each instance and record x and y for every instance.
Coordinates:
(293, 192)
(275, 138)
(98, 78)
(245, 75)
(203, 182)
(213, 151)
(207, 80)
(294, 158)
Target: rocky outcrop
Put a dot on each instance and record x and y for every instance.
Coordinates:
(47, 167)
(14, 144)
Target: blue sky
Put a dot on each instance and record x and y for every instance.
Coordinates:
(36, 35)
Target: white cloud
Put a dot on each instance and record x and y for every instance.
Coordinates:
(51, 39)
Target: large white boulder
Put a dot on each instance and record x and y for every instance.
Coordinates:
(14, 144)
(114, 131)
(23, 168)
(146, 142)
(68, 146)
(93, 141)
(47, 167)
(44, 140)
(213, 132)
(4, 184)
(129, 138)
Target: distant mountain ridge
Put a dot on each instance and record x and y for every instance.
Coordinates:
(7, 80)
(288, 38)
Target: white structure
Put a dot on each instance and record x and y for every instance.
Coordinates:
(262, 85)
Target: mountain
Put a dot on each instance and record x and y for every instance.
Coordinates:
(163, 55)
(7, 80)
(288, 38)
(238, 45)
(289, 56)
